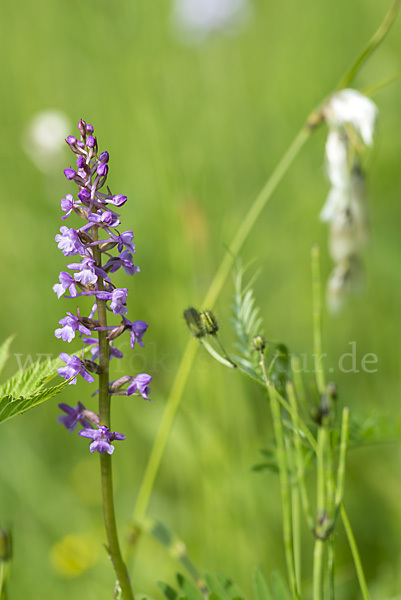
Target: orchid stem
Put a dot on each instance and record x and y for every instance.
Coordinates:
(105, 459)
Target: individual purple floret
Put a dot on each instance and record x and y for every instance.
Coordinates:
(74, 366)
(69, 242)
(101, 438)
(66, 282)
(140, 384)
(70, 324)
(76, 415)
(138, 330)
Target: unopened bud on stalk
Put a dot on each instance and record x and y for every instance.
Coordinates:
(259, 343)
(209, 322)
(193, 320)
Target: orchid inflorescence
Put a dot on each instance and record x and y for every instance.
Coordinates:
(93, 243)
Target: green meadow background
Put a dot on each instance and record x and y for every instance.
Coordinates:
(193, 133)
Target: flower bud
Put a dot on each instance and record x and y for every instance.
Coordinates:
(102, 169)
(192, 318)
(119, 200)
(81, 162)
(82, 127)
(104, 157)
(259, 343)
(209, 322)
(84, 196)
(71, 140)
(90, 141)
(70, 173)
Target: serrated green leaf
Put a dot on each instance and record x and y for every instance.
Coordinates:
(260, 586)
(10, 406)
(28, 382)
(189, 589)
(213, 596)
(4, 351)
(280, 587)
(169, 592)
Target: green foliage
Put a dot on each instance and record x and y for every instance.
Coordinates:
(246, 322)
(5, 352)
(27, 388)
(220, 587)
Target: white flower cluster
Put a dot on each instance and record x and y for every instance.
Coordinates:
(195, 20)
(351, 119)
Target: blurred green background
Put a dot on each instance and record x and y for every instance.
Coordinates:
(193, 133)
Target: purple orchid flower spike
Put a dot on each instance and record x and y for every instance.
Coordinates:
(102, 439)
(101, 250)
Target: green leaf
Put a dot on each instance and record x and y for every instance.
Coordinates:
(230, 587)
(32, 379)
(215, 587)
(167, 590)
(4, 351)
(189, 589)
(260, 586)
(10, 406)
(280, 587)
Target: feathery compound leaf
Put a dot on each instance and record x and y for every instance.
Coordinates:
(188, 588)
(215, 587)
(4, 351)
(246, 321)
(169, 592)
(230, 587)
(280, 587)
(261, 587)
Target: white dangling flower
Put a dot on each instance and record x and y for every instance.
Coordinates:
(337, 160)
(349, 225)
(44, 139)
(350, 107)
(194, 20)
(345, 279)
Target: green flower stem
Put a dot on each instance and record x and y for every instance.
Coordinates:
(284, 481)
(373, 43)
(331, 567)
(295, 512)
(105, 459)
(216, 286)
(299, 460)
(321, 509)
(355, 554)
(318, 570)
(341, 461)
